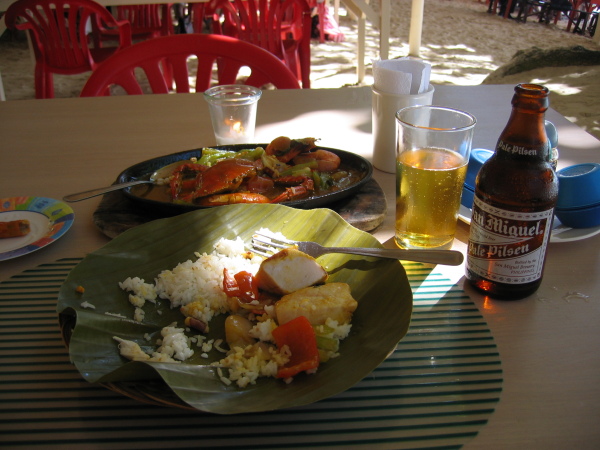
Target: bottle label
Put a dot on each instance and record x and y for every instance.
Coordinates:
(516, 149)
(508, 246)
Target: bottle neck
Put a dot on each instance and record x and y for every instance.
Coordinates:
(524, 136)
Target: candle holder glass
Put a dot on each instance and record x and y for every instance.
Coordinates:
(233, 112)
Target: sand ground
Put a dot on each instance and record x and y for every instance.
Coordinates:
(463, 43)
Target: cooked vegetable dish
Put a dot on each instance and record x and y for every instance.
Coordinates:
(287, 169)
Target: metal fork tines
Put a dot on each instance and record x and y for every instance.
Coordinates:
(265, 245)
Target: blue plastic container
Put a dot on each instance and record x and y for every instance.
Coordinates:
(578, 186)
(476, 160)
(581, 217)
(578, 204)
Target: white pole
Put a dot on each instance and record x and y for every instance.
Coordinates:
(416, 28)
(2, 96)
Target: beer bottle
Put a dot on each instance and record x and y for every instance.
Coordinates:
(513, 208)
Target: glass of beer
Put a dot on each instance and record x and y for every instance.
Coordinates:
(434, 144)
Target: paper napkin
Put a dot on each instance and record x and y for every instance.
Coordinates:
(401, 76)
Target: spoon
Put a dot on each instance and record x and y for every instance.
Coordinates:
(163, 172)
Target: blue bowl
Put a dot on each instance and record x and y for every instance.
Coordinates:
(581, 217)
(476, 160)
(467, 196)
(578, 186)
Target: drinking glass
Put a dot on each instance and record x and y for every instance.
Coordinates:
(433, 148)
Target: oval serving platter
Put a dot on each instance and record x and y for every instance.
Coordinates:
(143, 171)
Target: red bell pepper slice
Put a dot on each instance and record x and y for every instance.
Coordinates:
(299, 335)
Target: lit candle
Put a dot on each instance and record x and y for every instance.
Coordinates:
(235, 133)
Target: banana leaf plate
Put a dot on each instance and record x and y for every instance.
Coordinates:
(381, 320)
(144, 194)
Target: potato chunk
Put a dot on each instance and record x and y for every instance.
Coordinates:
(237, 331)
(289, 270)
(317, 303)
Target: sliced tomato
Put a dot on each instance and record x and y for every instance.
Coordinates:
(242, 285)
(230, 286)
(247, 285)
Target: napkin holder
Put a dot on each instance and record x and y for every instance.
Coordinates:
(384, 108)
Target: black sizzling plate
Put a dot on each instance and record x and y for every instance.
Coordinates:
(145, 169)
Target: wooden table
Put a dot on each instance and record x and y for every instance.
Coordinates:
(548, 343)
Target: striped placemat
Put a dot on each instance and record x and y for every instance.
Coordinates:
(436, 390)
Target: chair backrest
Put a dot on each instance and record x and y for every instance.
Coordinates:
(275, 25)
(166, 58)
(59, 30)
(146, 18)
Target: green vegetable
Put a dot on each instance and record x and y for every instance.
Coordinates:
(324, 180)
(300, 169)
(252, 154)
(210, 156)
(327, 343)
(274, 164)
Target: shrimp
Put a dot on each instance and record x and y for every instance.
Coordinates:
(326, 161)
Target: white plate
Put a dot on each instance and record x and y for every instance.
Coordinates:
(49, 220)
(560, 232)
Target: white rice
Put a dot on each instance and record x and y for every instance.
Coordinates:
(140, 288)
(138, 315)
(174, 347)
(262, 330)
(199, 283)
(175, 344)
(340, 331)
(245, 365)
(137, 300)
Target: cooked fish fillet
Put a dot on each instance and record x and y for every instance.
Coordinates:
(289, 270)
(317, 303)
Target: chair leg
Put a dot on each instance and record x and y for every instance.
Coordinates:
(322, 10)
(49, 85)
(593, 24)
(2, 93)
(292, 60)
(44, 83)
(522, 16)
(572, 17)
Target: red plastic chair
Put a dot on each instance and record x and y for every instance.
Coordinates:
(147, 21)
(280, 26)
(166, 58)
(59, 35)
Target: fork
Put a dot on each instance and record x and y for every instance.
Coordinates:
(263, 245)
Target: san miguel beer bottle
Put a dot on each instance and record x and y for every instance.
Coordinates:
(513, 208)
